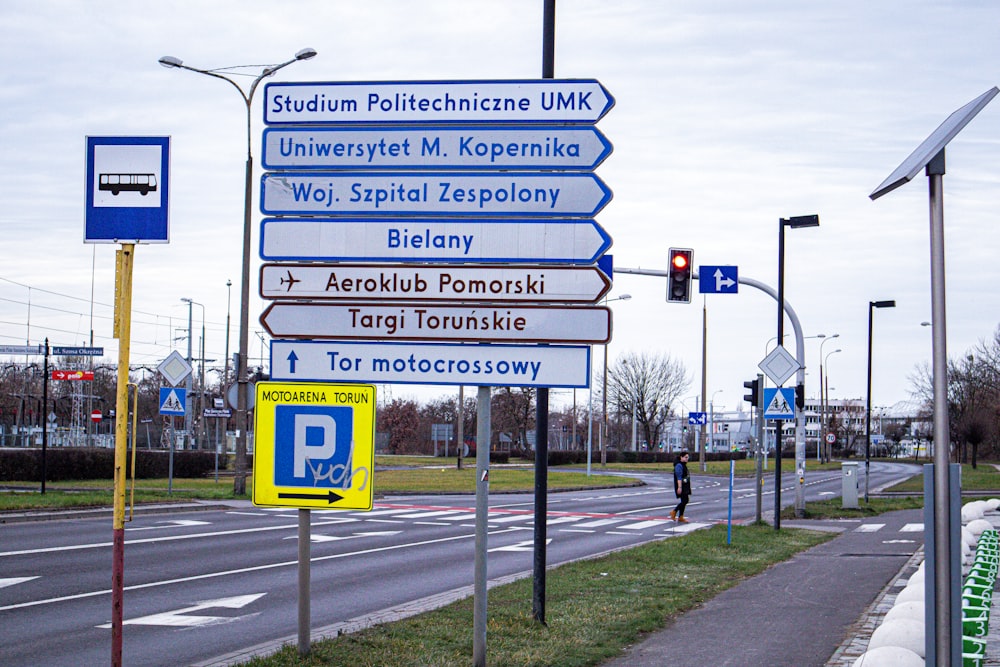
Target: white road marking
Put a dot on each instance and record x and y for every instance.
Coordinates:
(13, 581)
(869, 528)
(181, 618)
(912, 528)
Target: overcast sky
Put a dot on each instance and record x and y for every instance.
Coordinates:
(729, 115)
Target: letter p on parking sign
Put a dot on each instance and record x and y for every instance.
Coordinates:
(314, 445)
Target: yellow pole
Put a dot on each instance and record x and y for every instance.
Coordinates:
(123, 323)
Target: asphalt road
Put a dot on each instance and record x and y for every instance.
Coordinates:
(208, 583)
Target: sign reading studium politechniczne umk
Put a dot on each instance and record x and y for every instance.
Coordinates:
(522, 135)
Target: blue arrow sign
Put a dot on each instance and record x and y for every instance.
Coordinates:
(511, 240)
(697, 418)
(377, 102)
(718, 279)
(564, 147)
(552, 194)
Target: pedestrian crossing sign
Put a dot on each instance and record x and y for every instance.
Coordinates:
(779, 403)
(173, 401)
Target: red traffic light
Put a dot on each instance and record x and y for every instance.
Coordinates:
(680, 261)
(679, 275)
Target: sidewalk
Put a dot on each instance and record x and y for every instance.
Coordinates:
(816, 609)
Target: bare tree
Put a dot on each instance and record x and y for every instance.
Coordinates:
(652, 383)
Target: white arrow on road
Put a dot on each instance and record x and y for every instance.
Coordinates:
(13, 581)
(722, 281)
(520, 546)
(181, 617)
(172, 522)
(334, 538)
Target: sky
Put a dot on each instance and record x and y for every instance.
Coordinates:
(729, 116)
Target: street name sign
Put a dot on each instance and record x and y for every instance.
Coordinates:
(315, 445)
(477, 323)
(127, 188)
(218, 413)
(397, 282)
(481, 101)
(564, 147)
(509, 241)
(78, 351)
(718, 279)
(516, 193)
(429, 363)
(22, 349)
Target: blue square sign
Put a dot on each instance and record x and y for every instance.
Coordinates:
(127, 190)
(313, 445)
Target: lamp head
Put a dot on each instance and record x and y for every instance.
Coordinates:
(797, 221)
(305, 54)
(171, 61)
(186, 299)
(883, 304)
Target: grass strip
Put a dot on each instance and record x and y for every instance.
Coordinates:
(594, 608)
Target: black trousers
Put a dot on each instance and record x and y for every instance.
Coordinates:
(682, 504)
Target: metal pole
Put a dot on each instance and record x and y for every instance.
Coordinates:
(781, 338)
(483, 428)
(242, 422)
(189, 383)
(943, 565)
(305, 539)
(602, 441)
(700, 444)
(45, 409)
(868, 402)
(759, 466)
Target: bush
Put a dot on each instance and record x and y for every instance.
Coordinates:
(99, 463)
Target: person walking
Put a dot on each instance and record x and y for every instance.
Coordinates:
(682, 486)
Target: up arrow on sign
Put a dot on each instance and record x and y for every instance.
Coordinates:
(718, 279)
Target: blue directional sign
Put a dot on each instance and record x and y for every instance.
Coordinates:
(779, 403)
(697, 418)
(718, 279)
(127, 190)
(564, 147)
(378, 102)
(173, 401)
(480, 194)
(508, 240)
(78, 351)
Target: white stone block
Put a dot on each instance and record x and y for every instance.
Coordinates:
(904, 632)
(889, 656)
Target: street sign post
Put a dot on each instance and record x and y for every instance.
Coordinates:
(315, 445)
(377, 102)
(173, 401)
(22, 349)
(697, 418)
(510, 240)
(428, 363)
(480, 194)
(563, 147)
(779, 365)
(396, 282)
(476, 323)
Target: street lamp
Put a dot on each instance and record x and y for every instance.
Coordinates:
(242, 423)
(868, 401)
(604, 391)
(711, 421)
(201, 372)
(825, 401)
(819, 442)
(229, 301)
(795, 222)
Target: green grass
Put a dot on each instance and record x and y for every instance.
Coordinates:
(985, 477)
(833, 508)
(594, 608)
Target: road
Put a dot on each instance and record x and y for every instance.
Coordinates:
(208, 583)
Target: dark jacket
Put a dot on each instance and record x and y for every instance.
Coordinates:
(681, 475)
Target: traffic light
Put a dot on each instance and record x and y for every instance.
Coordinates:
(800, 396)
(754, 387)
(679, 275)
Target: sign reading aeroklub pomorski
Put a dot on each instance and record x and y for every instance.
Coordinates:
(525, 324)
(373, 102)
(438, 193)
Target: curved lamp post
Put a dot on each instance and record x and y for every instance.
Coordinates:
(825, 402)
(604, 392)
(822, 405)
(868, 401)
(242, 423)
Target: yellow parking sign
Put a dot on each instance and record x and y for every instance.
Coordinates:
(314, 445)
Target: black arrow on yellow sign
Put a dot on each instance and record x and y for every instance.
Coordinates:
(330, 496)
